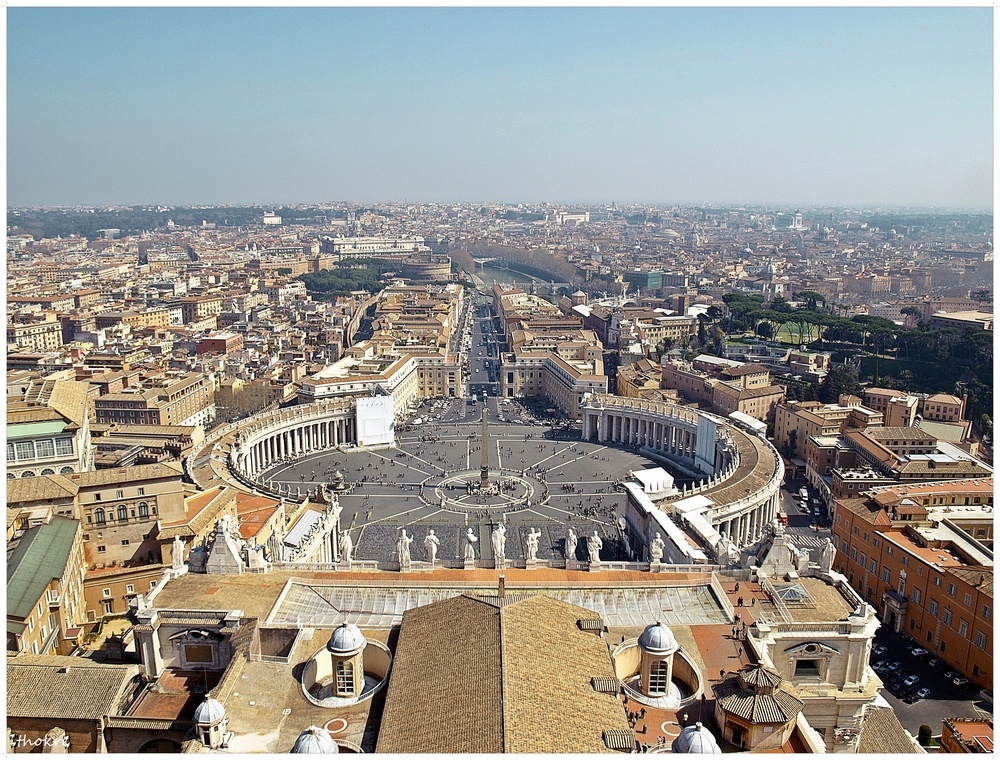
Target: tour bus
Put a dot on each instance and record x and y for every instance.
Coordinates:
(783, 518)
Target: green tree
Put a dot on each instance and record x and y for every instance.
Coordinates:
(811, 298)
(841, 379)
(925, 735)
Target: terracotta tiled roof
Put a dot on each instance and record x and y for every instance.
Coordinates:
(37, 687)
(521, 673)
(977, 577)
(882, 732)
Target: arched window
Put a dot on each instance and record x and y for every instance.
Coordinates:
(11, 476)
(658, 677)
(122, 513)
(48, 471)
(28, 474)
(143, 509)
(99, 515)
(345, 677)
(65, 470)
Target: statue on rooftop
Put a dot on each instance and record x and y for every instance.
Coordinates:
(403, 548)
(499, 540)
(431, 543)
(571, 540)
(826, 556)
(346, 547)
(470, 544)
(532, 543)
(656, 548)
(177, 553)
(594, 546)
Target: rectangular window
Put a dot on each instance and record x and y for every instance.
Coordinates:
(64, 446)
(45, 448)
(864, 560)
(933, 608)
(119, 494)
(11, 456)
(124, 542)
(937, 581)
(106, 592)
(951, 589)
(25, 450)
(875, 542)
(885, 575)
(807, 668)
(968, 600)
(888, 550)
(916, 596)
(963, 628)
(986, 611)
(142, 491)
(854, 553)
(946, 617)
(101, 549)
(981, 640)
(872, 566)
(906, 561)
(129, 588)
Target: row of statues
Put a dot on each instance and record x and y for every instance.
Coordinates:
(498, 541)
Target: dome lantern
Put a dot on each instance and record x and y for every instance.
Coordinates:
(315, 741)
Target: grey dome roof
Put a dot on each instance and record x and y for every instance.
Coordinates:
(346, 640)
(315, 741)
(696, 739)
(658, 639)
(210, 711)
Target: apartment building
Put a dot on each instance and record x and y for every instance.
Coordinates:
(45, 335)
(908, 454)
(120, 510)
(898, 409)
(48, 429)
(725, 386)
(45, 600)
(915, 552)
(184, 398)
(796, 421)
(943, 407)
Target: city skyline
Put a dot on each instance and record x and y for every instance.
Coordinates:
(781, 106)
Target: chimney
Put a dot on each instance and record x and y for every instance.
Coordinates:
(500, 588)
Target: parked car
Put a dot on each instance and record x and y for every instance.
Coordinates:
(919, 652)
(960, 681)
(949, 674)
(895, 665)
(880, 649)
(923, 692)
(934, 663)
(911, 680)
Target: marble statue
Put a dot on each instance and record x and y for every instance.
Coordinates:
(499, 540)
(431, 544)
(403, 547)
(470, 544)
(656, 548)
(571, 540)
(346, 547)
(826, 556)
(594, 546)
(177, 553)
(532, 543)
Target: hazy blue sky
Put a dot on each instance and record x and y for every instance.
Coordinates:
(787, 105)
